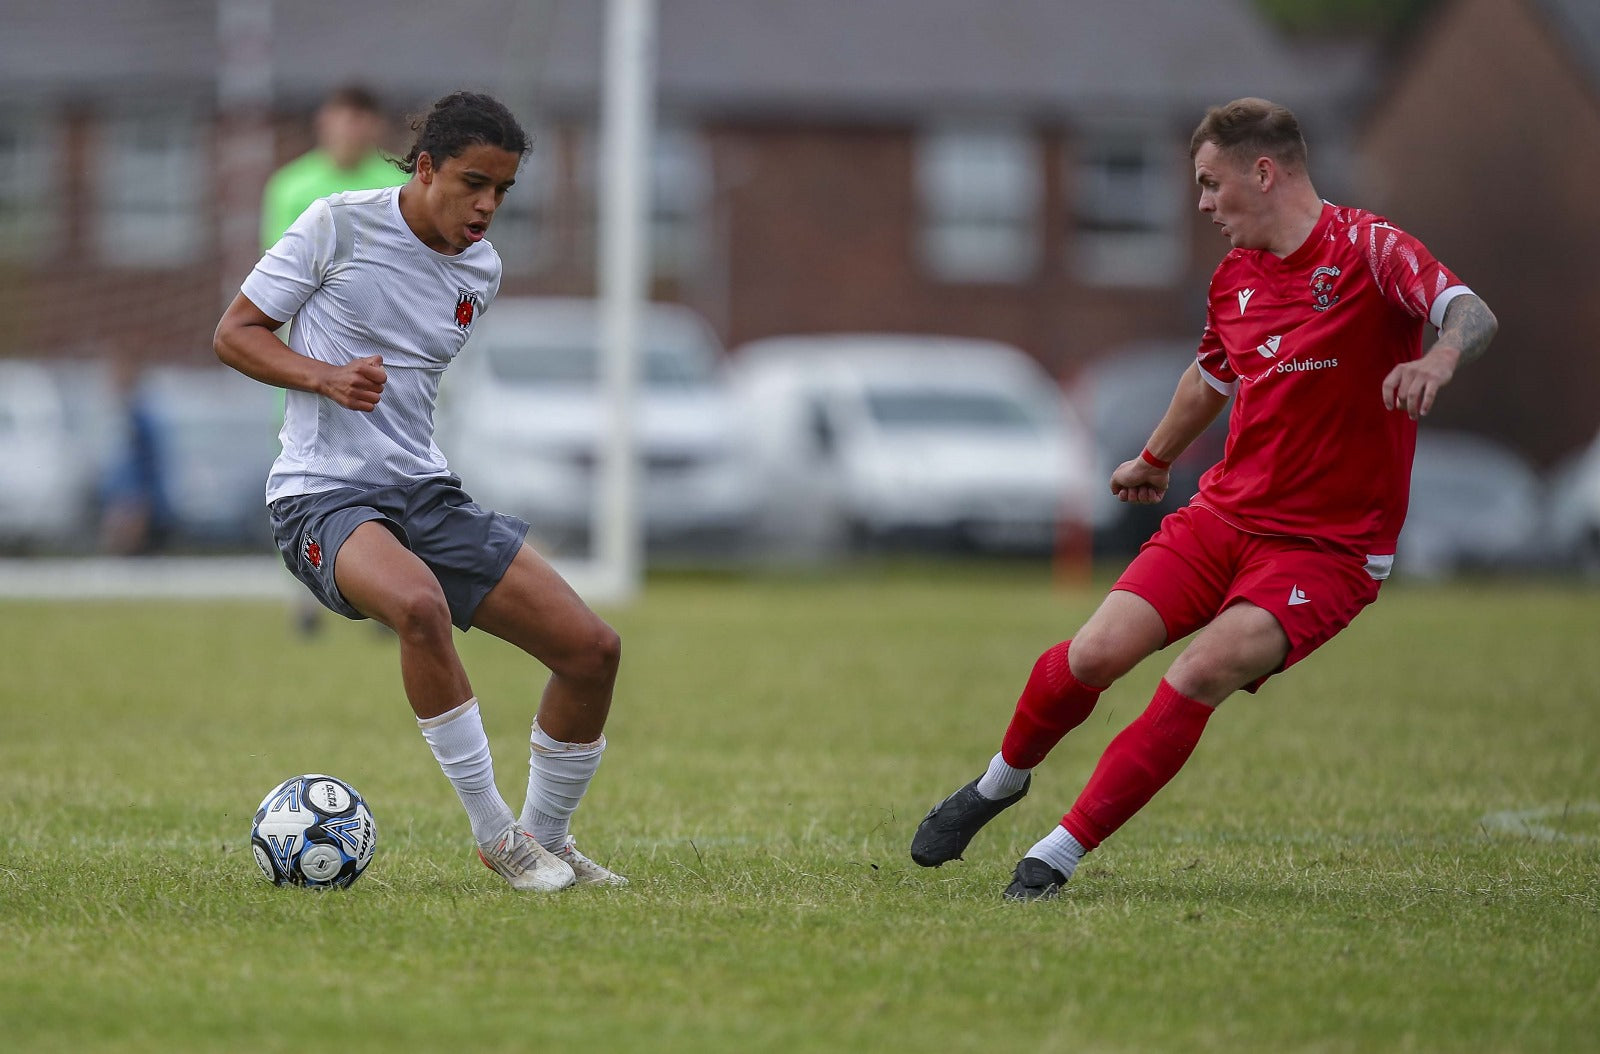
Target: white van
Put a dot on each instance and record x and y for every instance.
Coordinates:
(879, 437)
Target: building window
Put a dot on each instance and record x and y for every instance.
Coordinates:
(680, 195)
(1127, 197)
(522, 231)
(28, 152)
(978, 190)
(152, 189)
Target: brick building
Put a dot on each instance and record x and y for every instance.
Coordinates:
(1015, 170)
(1484, 141)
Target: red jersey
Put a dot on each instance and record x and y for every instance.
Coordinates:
(1304, 343)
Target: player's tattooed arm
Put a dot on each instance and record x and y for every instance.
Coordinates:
(1412, 387)
(1468, 327)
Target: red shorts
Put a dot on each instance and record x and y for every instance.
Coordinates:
(1198, 564)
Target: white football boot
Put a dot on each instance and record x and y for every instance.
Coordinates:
(526, 864)
(587, 872)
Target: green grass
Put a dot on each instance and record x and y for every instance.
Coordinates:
(1321, 877)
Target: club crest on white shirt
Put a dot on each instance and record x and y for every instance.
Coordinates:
(467, 307)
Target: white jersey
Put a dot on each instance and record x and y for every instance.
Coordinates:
(357, 282)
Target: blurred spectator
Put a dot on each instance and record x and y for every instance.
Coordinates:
(135, 514)
(349, 126)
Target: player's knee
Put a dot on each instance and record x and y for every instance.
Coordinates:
(1099, 659)
(1211, 677)
(421, 614)
(596, 659)
(608, 648)
(1205, 684)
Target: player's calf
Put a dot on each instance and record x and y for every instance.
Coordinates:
(1053, 703)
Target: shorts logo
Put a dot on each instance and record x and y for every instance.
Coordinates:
(312, 552)
(1322, 294)
(1298, 596)
(466, 307)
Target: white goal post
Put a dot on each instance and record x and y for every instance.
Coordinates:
(627, 114)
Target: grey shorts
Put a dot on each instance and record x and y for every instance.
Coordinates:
(466, 546)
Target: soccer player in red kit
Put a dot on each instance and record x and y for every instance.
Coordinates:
(1314, 330)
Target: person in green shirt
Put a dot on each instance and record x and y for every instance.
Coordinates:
(349, 126)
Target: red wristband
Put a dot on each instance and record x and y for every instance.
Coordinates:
(1151, 459)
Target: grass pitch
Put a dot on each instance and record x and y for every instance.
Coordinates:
(1394, 847)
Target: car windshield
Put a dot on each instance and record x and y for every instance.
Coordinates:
(945, 408)
(664, 366)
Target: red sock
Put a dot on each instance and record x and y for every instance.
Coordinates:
(1053, 703)
(1136, 764)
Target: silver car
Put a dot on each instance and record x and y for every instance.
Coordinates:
(521, 419)
(1475, 505)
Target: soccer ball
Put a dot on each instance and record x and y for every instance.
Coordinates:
(314, 831)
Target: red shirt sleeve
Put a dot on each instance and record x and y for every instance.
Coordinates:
(1212, 357)
(1405, 272)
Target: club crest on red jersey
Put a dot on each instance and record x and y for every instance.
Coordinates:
(1322, 294)
(312, 552)
(467, 306)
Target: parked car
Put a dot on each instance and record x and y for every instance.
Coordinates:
(46, 472)
(217, 432)
(887, 437)
(1122, 396)
(1475, 505)
(521, 419)
(1574, 509)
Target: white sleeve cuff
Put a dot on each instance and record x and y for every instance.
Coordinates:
(1225, 387)
(1442, 301)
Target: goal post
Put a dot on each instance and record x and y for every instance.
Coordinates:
(626, 122)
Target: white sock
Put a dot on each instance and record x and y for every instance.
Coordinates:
(1001, 781)
(1060, 850)
(462, 750)
(558, 775)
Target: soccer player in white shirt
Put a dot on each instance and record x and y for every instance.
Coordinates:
(384, 287)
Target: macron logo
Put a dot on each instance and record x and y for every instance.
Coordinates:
(1269, 349)
(1244, 300)
(1298, 596)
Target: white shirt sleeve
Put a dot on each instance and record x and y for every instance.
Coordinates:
(291, 270)
(494, 286)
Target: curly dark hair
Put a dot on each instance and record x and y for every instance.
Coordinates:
(460, 120)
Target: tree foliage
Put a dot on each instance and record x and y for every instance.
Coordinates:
(1344, 17)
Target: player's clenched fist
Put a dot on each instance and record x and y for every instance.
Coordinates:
(357, 385)
(1138, 482)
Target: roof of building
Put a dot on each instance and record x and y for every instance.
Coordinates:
(860, 58)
